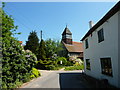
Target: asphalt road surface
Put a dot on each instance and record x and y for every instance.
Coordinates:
(58, 79)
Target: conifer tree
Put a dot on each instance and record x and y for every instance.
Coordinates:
(41, 51)
(33, 43)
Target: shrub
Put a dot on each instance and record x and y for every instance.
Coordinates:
(14, 63)
(43, 64)
(4, 85)
(76, 64)
(69, 63)
(47, 64)
(26, 77)
(18, 83)
(31, 59)
(63, 59)
(50, 67)
(35, 73)
(51, 64)
(16, 67)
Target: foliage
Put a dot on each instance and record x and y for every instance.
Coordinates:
(78, 63)
(76, 67)
(26, 77)
(52, 47)
(31, 58)
(69, 63)
(33, 43)
(44, 64)
(16, 66)
(51, 64)
(50, 67)
(41, 51)
(35, 73)
(58, 67)
(0, 45)
(63, 59)
(53, 67)
(59, 50)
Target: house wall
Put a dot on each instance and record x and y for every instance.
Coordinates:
(119, 49)
(74, 54)
(107, 48)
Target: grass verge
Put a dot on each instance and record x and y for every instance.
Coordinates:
(76, 67)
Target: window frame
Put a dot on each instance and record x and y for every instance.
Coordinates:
(106, 66)
(86, 44)
(88, 66)
(100, 34)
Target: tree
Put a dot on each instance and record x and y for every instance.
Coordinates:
(59, 49)
(33, 43)
(53, 47)
(16, 67)
(50, 48)
(41, 51)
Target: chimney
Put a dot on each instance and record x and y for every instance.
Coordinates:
(91, 24)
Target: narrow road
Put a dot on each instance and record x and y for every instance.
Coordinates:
(58, 79)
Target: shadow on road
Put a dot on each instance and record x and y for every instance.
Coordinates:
(72, 81)
(80, 81)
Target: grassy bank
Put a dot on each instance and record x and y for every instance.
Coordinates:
(78, 67)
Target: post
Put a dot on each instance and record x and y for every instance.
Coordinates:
(41, 34)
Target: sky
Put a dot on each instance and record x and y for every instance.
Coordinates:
(52, 17)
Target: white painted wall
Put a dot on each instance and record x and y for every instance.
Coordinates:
(107, 48)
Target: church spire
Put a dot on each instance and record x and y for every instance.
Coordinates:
(66, 25)
(67, 36)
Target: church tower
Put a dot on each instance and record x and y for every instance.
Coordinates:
(67, 36)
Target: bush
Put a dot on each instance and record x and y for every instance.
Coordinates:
(50, 67)
(77, 64)
(35, 73)
(18, 83)
(31, 59)
(69, 63)
(51, 64)
(4, 85)
(63, 59)
(14, 63)
(16, 67)
(44, 64)
(26, 77)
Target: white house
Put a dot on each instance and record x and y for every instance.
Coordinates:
(102, 48)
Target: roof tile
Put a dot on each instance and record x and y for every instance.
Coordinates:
(75, 47)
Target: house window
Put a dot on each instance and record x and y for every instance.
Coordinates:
(86, 43)
(106, 66)
(100, 35)
(88, 64)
